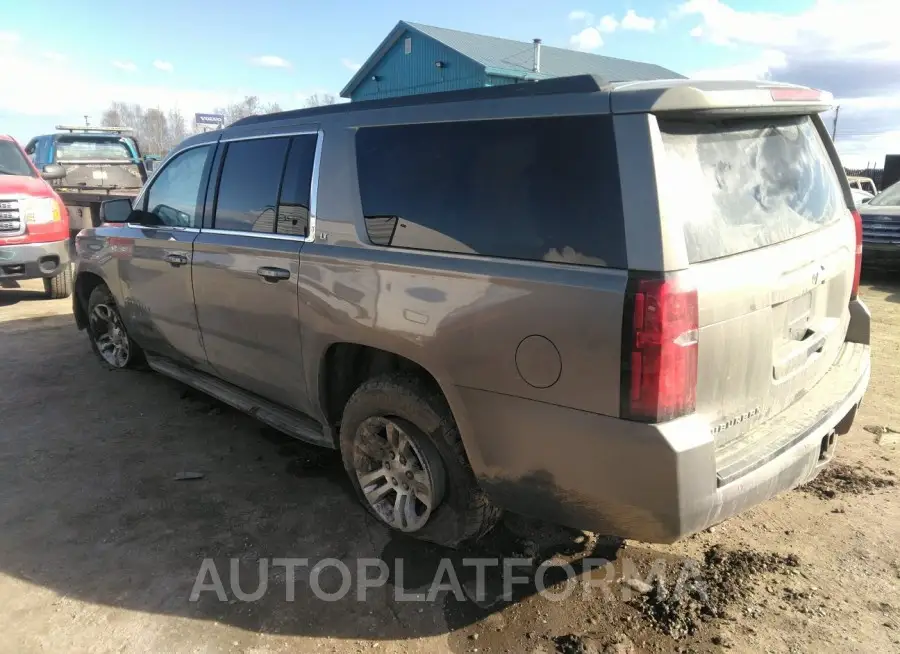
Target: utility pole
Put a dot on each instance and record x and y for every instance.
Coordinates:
(87, 122)
(837, 111)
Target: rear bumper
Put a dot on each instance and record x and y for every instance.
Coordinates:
(34, 260)
(654, 483)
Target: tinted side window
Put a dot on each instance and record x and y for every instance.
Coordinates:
(544, 189)
(174, 199)
(248, 187)
(293, 204)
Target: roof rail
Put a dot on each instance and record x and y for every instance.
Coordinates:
(91, 128)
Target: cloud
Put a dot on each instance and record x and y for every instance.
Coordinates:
(349, 64)
(632, 21)
(581, 16)
(590, 38)
(127, 66)
(165, 66)
(608, 24)
(55, 90)
(270, 61)
(755, 69)
(836, 45)
(587, 39)
(9, 39)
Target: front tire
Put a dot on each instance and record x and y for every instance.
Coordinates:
(402, 450)
(106, 331)
(59, 287)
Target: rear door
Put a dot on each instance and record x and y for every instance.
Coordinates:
(770, 242)
(246, 264)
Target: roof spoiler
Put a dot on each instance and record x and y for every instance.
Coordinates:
(717, 97)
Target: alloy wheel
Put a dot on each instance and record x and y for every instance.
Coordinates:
(109, 334)
(401, 474)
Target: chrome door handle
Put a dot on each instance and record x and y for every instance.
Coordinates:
(176, 260)
(271, 274)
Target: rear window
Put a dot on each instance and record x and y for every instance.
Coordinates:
(543, 189)
(746, 184)
(87, 149)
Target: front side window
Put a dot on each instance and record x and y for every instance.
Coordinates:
(248, 187)
(174, 199)
(540, 189)
(12, 161)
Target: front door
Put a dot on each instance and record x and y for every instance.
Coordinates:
(246, 263)
(156, 276)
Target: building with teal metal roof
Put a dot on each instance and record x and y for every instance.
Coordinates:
(417, 58)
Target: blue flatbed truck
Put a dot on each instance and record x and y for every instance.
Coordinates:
(101, 163)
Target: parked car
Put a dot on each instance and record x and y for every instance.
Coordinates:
(34, 224)
(473, 296)
(881, 228)
(860, 197)
(866, 184)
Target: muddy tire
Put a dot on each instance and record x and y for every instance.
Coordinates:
(59, 287)
(106, 332)
(459, 509)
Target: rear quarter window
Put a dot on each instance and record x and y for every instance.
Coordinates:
(746, 184)
(543, 189)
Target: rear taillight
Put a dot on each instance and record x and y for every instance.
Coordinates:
(659, 357)
(857, 269)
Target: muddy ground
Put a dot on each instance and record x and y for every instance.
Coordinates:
(100, 544)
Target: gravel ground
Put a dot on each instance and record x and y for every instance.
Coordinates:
(115, 486)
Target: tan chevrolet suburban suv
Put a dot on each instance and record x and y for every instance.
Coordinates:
(631, 308)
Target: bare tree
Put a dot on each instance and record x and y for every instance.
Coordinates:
(178, 130)
(154, 132)
(249, 106)
(316, 100)
(158, 132)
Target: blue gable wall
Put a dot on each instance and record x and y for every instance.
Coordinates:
(408, 74)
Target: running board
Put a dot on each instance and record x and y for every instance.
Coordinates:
(290, 422)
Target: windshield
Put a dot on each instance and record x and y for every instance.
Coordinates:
(889, 197)
(12, 161)
(748, 183)
(87, 149)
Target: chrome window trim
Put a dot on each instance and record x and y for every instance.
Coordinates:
(165, 228)
(313, 191)
(236, 232)
(314, 187)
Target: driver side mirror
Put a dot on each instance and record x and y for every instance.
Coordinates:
(115, 211)
(52, 172)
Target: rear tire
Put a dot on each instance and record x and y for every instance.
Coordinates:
(106, 331)
(59, 287)
(459, 509)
